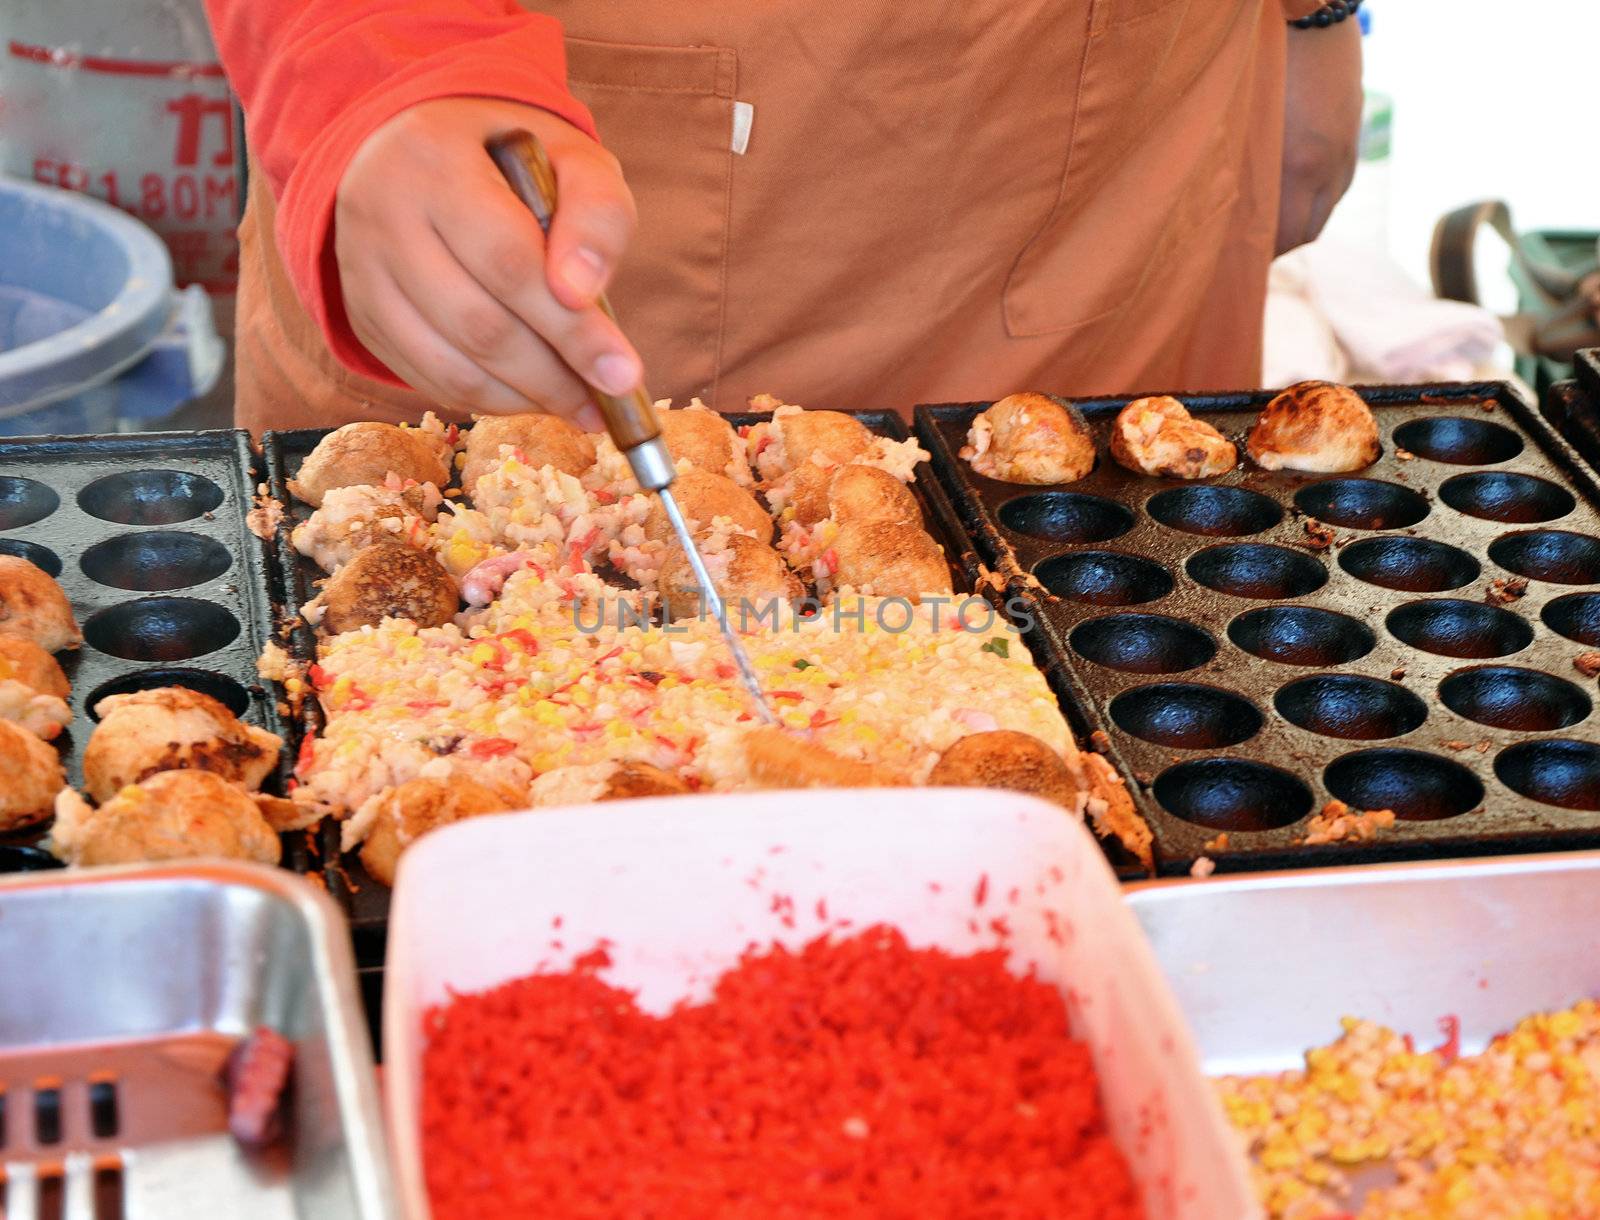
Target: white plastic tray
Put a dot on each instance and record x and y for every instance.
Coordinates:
(682, 885)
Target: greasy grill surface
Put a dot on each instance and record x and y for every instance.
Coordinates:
(1247, 671)
(366, 901)
(146, 534)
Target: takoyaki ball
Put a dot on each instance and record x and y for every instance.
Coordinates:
(821, 438)
(1030, 438)
(890, 559)
(749, 576)
(771, 757)
(173, 815)
(1019, 762)
(702, 497)
(543, 440)
(706, 441)
(417, 807)
(367, 453)
(631, 780)
(33, 606)
(173, 728)
(389, 580)
(22, 660)
(30, 777)
(1317, 427)
(865, 493)
(1158, 437)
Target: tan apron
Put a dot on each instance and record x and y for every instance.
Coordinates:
(861, 203)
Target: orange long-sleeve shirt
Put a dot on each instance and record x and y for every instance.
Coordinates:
(317, 77)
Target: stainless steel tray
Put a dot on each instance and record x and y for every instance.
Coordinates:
(1264, 966)
(122, 992)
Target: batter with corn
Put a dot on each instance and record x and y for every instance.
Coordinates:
(560, 682)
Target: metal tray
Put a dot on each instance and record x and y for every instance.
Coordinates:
(366, 901)
(146, 534)
(1209, 731)
(1264, 966)
(139, 982)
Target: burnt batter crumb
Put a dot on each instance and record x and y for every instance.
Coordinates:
(1457, 746)
(1099, 742)
(1587, 663)
(1503, 589)
(1319, 537)
(1398, 672)
(1404, 455)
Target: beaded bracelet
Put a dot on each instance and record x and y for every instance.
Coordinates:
(1329, 14)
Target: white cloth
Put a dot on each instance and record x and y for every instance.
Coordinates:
(1340, 312)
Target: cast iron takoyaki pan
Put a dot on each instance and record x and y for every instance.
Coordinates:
(367, 901)
(146, 534)
(1249, 665)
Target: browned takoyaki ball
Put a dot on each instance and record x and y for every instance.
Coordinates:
(173, 815)
(417, 807)
(389, 580)
(889, 559)
(543, 440)
(851, 493)
(30, 777)
(1158, 437)
(1006, 759)
(33, 606)
(1315, 426)
(173, 728)
(1030, 438)
(746, 574)
(707, 441)
(702, 497)
(368, 452)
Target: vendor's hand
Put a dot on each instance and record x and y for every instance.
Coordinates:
(1322, 128)
(446, 275)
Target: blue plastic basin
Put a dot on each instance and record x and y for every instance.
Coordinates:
(85, 293)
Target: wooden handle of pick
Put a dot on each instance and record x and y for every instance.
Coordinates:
(631, 419)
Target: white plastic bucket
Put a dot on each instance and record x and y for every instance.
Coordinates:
(680, 886)
(126, 101)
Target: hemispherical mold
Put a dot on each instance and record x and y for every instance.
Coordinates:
(1576, 616)
(156, 560)
(1412, 565)
(161, 629)
(1553, 772)
(41, 557)
(1255, 569)
(1451, 627)
(1232, 794)
(1350, 706)
(1507, 697)
(25, 502)
(1186, 716)
(1220, 512)
(150, 497)
(219, 686)
(1416, 785)
(1066, 516)
(1104, 578)
(1558, 556)
(1362, 504)
(15, 858)
(1500, 495)
(1301, 635)
(1458, 440)
(1143, 643)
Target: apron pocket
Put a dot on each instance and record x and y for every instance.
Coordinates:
(1147, 155)
(666, 113)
